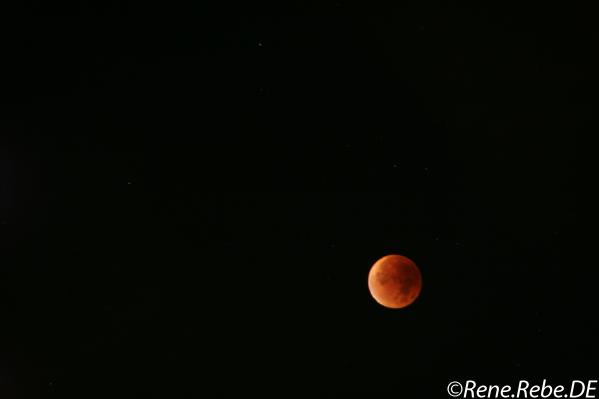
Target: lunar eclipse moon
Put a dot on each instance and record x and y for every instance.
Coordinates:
(395, 281)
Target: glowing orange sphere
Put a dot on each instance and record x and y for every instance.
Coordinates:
(395, 281)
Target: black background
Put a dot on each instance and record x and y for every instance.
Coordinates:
(192, 199)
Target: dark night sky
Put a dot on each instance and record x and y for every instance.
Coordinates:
(191, 204)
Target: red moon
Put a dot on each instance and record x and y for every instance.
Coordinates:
(394, 281)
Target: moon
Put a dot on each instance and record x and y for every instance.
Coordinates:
(395, 281)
